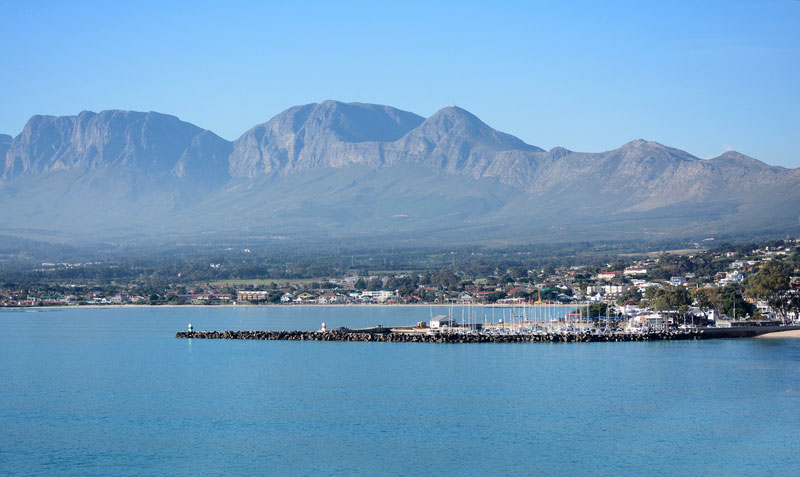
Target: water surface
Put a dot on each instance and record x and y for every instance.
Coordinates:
(112, 392)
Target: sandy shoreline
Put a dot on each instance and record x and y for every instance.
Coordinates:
(782, 334)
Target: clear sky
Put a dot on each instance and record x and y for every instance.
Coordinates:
(701, 76)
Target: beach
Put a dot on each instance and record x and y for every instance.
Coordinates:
(782, 334)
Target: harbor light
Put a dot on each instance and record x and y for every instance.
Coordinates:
(190, 327)
(323, 327)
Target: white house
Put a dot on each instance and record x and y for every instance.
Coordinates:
(732, 277)
(287, 298)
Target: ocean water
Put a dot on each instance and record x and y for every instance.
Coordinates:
(112, 392)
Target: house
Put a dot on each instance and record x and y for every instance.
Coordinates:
(610, 290)
(634, 271)
(380, 296)
(304, 297)
(482, 295)
(287, 298)
(119, 298)
(515, 290)
(731, 278)
(652, 321)
(607, 275)
(327, 299)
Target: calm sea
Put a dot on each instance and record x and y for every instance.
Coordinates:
(112, 392)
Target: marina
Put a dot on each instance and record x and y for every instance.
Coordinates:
(523, 324)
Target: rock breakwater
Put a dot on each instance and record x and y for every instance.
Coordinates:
(393, 337)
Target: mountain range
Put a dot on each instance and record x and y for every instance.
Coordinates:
(343, 170)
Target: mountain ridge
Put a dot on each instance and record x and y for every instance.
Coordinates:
(347, 168)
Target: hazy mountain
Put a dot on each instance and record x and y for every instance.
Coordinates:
(113, 172)
(337, 169)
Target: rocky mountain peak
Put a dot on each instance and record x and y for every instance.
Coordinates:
(739, 159)
(330, 134)
(360, 122)
(641, 148)
(146, 141)
(457, 126)
(559, 152)
(348, 122)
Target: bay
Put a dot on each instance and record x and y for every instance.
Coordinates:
(113, 392)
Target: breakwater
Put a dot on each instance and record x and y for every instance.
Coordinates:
(395, 337)
(386, 336)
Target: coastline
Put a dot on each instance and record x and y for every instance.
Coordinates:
(248, 305)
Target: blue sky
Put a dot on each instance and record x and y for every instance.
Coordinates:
(701, 76)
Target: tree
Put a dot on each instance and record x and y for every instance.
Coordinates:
(794, 303)
(375, 284)
(633, 294)
(668, 298)
(733, 303)
(495, 296)
(617, 266)
(445, 279)
(771, 284)
(708, 299)
(595, 310)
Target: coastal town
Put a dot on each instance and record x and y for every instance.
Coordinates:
(702, 287)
